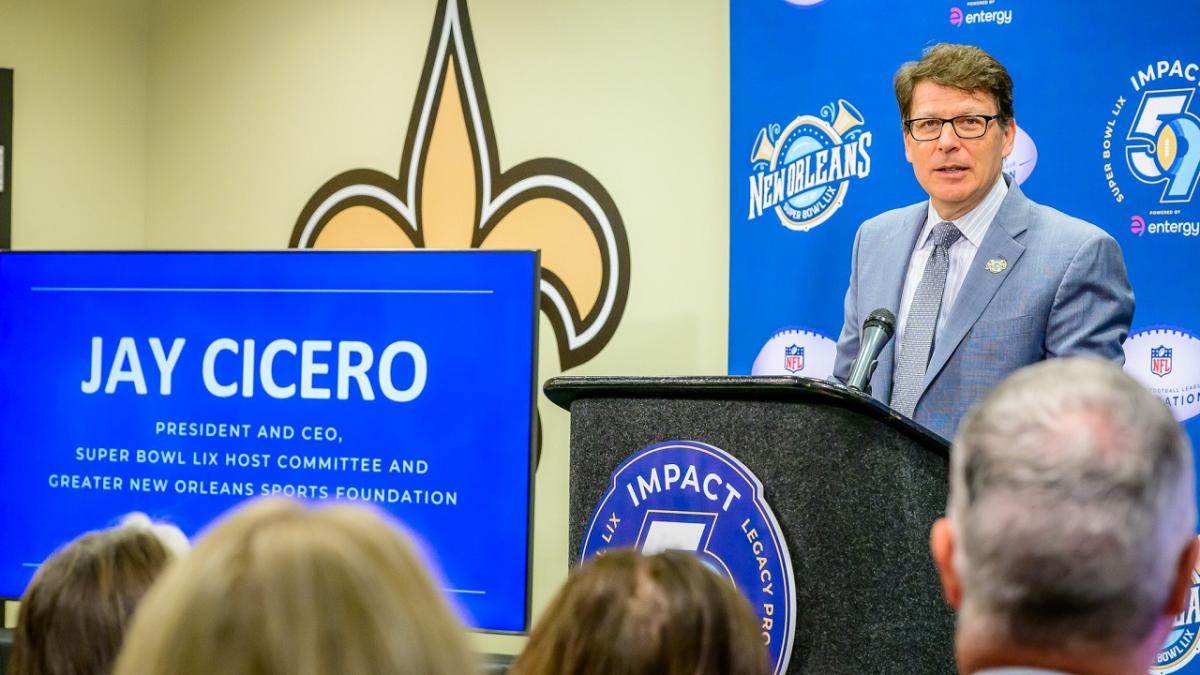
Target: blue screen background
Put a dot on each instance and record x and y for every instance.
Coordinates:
(471, 423)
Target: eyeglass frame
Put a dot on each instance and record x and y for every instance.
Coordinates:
(988, 119)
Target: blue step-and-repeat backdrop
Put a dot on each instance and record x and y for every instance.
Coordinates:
(1108, 116)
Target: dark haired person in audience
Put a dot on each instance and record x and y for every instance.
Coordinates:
(1068, 545)
(623, 613)
(279, 588)
(75, 611)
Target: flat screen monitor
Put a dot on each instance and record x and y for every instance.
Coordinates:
(179, 384)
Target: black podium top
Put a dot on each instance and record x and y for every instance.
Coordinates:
(565, 390)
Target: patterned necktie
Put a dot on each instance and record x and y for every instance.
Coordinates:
(921, 324)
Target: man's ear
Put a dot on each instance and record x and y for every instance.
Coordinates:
(1177, 602)
(1010, 137)
(941, 544)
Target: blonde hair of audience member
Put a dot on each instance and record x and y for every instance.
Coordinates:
(279, 588)
(75, 611)
(628, 614)
(1069, 538)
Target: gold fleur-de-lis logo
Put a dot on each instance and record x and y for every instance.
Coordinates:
(451, 194)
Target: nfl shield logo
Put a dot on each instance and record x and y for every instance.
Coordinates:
(1160, 360)
(793, 358)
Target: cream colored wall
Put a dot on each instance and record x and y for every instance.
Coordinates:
(253, 105)
(79, 125)
(79, 121)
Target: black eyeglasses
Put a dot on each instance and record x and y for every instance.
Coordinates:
(966, 126)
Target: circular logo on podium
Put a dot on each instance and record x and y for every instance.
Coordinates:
(690, 496)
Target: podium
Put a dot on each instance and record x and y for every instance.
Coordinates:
(854, 486)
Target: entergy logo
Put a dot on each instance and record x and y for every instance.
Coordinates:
(1137, 225)
(1000, 17)
(1187, 228)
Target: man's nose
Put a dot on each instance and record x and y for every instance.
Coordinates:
(949, 139)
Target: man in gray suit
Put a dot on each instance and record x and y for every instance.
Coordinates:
(1068, 544)
(981, 280)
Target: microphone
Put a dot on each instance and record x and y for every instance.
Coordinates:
(877, 331)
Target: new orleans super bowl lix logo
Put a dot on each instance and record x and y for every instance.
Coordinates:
(1158, 143)
(1179, 649)
(803, 171)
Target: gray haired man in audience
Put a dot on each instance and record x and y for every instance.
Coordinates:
(1068, 545)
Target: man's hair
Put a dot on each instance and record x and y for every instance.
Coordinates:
(665, 614)
(76, 609)
(278, 588)
(1072, 498)
(962, 67)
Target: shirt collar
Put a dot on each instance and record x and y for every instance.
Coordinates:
(974, 223)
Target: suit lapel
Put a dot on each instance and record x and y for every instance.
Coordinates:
(980, 284)
(897, 250)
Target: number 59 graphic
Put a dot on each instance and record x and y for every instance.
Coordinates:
(1164, 143)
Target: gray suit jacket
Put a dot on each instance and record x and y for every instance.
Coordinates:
(1064, 292)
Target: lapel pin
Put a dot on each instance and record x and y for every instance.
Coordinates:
(996, 265)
